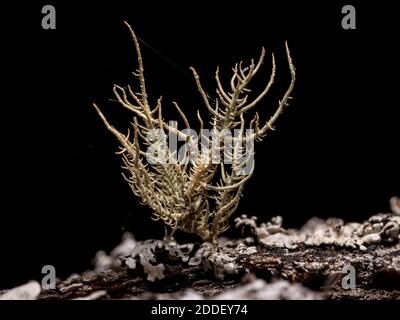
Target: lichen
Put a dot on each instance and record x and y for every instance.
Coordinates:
(154, 258)
(28, 291)
(380, 228)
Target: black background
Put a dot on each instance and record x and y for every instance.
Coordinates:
(334, 153)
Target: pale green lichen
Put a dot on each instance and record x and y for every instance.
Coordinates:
(198, 196)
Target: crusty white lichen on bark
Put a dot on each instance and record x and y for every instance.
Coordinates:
(313, 256)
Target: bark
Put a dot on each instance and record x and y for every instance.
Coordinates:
(325, 259)
(318, 268)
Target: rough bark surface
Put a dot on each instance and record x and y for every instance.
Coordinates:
(319, 268)
(264, 261)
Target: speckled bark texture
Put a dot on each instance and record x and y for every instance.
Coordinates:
(266, 261)
(318, 268)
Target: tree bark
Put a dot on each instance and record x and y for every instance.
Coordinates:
(319, 268)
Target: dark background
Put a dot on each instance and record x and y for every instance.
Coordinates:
(334, 153)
